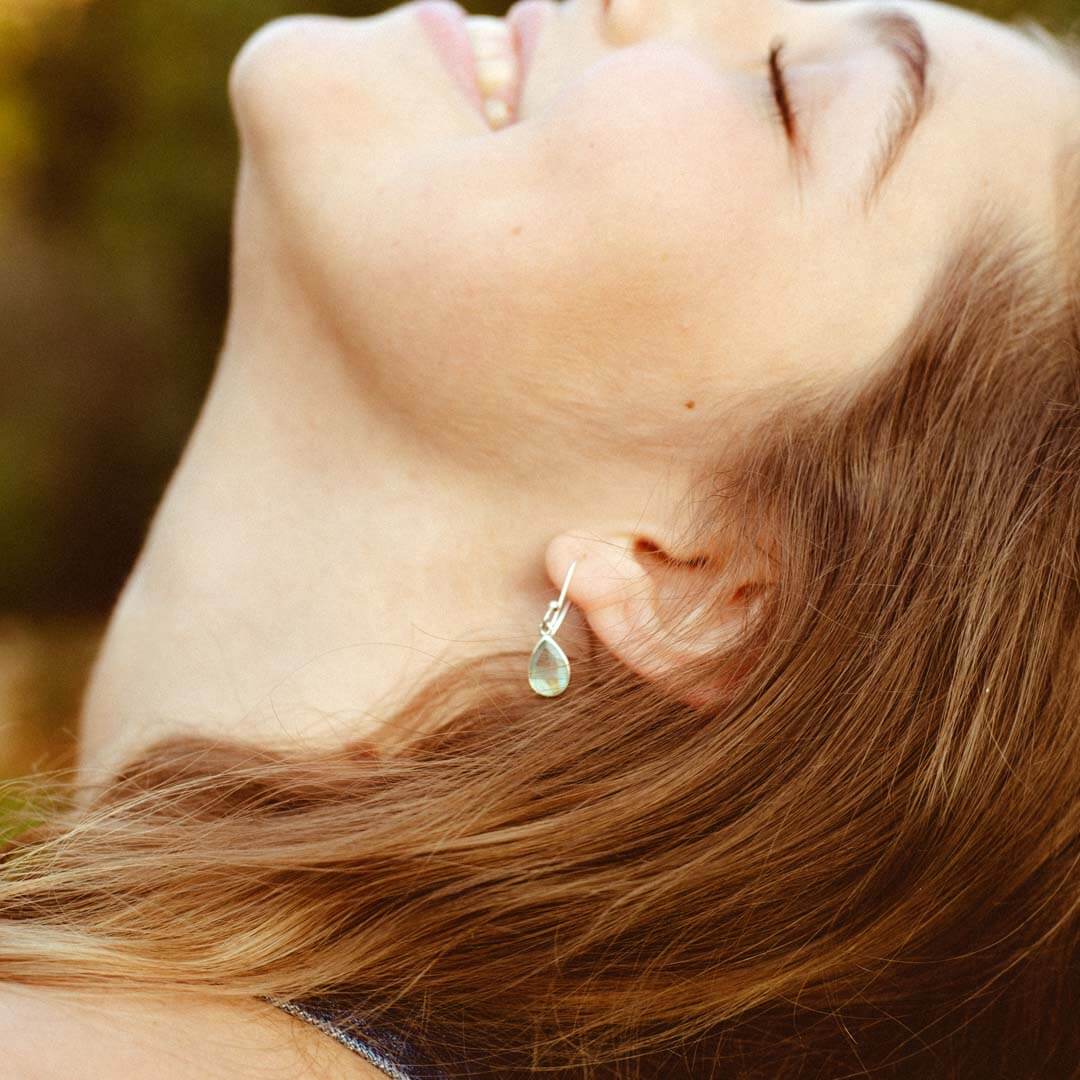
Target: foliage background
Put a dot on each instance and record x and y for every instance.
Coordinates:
(117, 163)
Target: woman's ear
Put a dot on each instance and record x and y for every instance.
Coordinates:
(629, 591)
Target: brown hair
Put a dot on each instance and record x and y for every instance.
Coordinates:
(864, 859)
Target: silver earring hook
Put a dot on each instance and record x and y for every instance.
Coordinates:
(553, 617)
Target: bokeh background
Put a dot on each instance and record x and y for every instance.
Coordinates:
(117, 163)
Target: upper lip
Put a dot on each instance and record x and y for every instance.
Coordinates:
(526, 19)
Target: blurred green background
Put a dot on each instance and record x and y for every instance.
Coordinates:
(117, 162)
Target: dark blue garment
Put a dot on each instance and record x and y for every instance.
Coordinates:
(404, 1063)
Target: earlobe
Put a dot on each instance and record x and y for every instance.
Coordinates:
(622, 592)
(613, 591)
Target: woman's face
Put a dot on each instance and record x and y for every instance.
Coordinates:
(448, 345)
(646, 235)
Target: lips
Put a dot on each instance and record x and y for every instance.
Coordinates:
(443, 22)
(526, 20)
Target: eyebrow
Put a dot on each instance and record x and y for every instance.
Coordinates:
(902, 35)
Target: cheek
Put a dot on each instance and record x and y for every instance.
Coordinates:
(668, 186)
(671, 173)
(653, 144)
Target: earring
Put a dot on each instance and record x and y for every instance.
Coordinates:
(549, 668)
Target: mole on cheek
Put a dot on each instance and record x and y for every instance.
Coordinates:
(689, 404)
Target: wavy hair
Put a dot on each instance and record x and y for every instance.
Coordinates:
(864, 859)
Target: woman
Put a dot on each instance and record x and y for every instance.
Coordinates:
(752, 331)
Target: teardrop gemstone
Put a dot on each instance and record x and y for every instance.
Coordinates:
(549, 669)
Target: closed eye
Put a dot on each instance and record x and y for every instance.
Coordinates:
(784, 112)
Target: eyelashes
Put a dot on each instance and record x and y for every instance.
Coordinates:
(785, 114)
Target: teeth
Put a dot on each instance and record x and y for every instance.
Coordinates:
(490, 36)
(496, 65)
(497, 112)
(494, 75)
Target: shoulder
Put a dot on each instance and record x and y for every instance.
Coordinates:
(46, 1033)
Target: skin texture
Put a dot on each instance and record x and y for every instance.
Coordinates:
(457, 359)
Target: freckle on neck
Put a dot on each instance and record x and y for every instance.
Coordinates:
(689, 404)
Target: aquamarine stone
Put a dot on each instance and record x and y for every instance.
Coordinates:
(549, 669)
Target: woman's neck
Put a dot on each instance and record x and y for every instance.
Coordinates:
(318, 554)
(309, 564)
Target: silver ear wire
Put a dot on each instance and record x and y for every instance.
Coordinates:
(549, 668)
